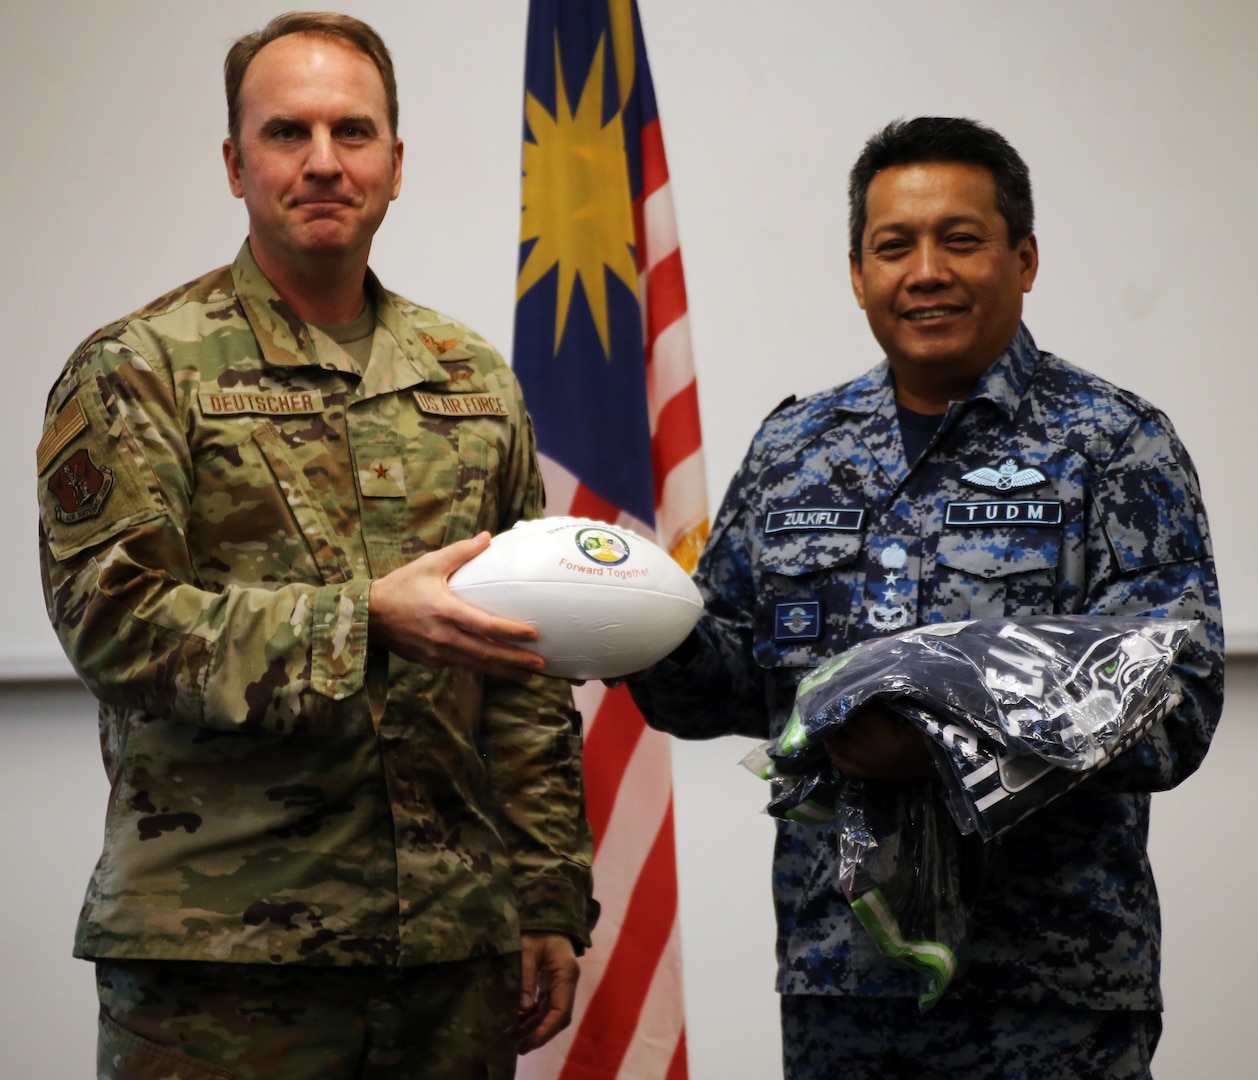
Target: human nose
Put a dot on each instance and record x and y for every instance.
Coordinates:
(322, 160)
(928, 266)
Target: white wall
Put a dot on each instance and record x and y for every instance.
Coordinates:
(1204, 845)
(1135, 116)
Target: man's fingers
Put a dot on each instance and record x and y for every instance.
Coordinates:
(558, 1014)
(528, 979)
(552, 964)
(449, 558)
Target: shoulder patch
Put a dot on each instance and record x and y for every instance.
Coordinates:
(65, 428)
(81, 487)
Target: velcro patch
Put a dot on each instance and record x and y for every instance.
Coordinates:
(383, 478)
(81, 487)
(69, 423)
(235, 402)
(797, 621)
(462, 404)
(445, 348)
(1005, 512)
(812, 519)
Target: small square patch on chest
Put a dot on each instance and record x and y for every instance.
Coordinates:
(382, 477)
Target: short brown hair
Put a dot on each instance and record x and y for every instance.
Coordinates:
(325, 24)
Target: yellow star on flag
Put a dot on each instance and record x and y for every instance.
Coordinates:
(577, 203)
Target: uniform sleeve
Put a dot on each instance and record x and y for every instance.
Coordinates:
(1149, 554)
(115, 484)
(711, 684)
(534, 747)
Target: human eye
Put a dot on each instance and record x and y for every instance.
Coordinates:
(890, 248)
(963, 240)
(284, 132)
(355, 131)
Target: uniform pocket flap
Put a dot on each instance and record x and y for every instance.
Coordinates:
(997, 553)
(1150, 517)
(795, 554)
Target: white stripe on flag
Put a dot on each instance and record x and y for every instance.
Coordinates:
(661, 1023)
(660, 222)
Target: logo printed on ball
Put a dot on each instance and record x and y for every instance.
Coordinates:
(603, 546)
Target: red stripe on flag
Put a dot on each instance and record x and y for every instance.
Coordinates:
(678, 1068)
(589, 504)
(665, 296)
(612, 739)
(677, 434)
(611, 1017)
(654, 163)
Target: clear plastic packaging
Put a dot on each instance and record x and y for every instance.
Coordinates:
(1017, 712)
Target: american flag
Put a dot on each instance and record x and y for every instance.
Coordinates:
(602, 349)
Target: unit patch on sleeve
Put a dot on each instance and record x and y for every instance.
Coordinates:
(81, 487)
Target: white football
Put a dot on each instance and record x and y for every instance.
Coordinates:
(605, 601)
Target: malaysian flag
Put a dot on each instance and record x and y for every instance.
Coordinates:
(602, 349)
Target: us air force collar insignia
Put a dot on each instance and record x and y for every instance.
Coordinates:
(1007, 476)
(814, 519)
(445, 348)
(797, 621)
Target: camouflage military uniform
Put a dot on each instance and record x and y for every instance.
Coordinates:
(217, 491)
(1047, 491)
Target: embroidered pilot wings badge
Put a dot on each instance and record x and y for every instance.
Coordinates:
(1006, 477)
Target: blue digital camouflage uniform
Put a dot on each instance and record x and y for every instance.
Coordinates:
(1047, 491)
(217, 489)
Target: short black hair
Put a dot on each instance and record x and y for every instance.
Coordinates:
(943, 138)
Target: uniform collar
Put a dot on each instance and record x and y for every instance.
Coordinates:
(399, 361)
(1006, 382)
(1003, 384)
(873, 395)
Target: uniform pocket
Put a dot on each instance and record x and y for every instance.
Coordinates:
(1150, 517)
(305, 506)
(124, 1055)
(996, 572)
(471, 508)
(809, 588)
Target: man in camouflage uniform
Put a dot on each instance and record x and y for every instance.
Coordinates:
(968, 475)
(345, 832)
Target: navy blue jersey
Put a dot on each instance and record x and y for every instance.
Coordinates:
(1048, 491)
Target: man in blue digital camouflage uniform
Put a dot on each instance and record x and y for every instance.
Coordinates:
(968, 475)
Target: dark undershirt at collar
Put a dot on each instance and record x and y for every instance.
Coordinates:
(916, 430)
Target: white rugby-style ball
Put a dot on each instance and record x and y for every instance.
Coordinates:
(606, 602)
